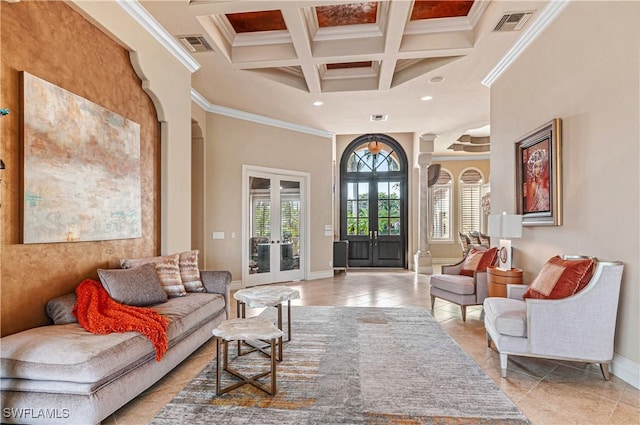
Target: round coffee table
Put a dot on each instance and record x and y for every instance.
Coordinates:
(245, 329)
(266, 296)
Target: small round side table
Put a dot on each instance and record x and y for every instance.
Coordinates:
(498, 279)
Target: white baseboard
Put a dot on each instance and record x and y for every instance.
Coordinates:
(324, 274)
(626, 370)
(236, 284)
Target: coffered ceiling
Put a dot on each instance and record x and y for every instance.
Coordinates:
(416, 66)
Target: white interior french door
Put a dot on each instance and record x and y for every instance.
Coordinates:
(274, 227)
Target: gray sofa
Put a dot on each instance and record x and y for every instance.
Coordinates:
(64, 374)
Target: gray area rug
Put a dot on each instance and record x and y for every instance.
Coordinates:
(353, 365)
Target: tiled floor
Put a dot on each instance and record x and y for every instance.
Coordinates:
(547, 392)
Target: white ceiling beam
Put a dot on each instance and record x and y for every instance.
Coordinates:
(396, 20)
(297, 26)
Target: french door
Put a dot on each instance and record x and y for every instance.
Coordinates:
(374, 224)
(373, 202)
(274, 218)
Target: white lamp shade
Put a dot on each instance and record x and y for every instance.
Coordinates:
(505, 226)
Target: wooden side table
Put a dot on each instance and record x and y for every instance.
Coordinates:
(497, 280)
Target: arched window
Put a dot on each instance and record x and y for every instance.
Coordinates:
(441, 207)
(373, 156)
(471, 181)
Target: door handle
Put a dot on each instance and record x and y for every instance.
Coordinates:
(375, 234)
(370, 234)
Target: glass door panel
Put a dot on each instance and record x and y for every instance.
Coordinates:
(289, 225)
(260, 228)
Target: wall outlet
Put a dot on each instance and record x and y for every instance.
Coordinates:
(217, 235)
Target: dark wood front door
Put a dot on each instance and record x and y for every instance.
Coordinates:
(373, 204)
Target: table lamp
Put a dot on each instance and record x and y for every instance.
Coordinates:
(505, 226)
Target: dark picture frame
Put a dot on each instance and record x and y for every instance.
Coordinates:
(539, 175)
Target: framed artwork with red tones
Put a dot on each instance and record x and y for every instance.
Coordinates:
(539, 176)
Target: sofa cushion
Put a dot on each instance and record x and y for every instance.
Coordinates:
(189, 271)
(168, 269)
(560, 278)
(457, 284)
(69, 353)
(508, 316)
(139, 286)
(478, 260)
(60, 309)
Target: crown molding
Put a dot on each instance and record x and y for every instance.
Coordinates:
(437, 158)
(157, 31)
(247, 116)
(547, 15)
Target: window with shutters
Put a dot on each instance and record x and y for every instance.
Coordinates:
(471, 181)
(441, 207)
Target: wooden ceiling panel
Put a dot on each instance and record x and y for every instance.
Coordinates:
(428, 9)
(347, 14)
(269, 20)
(345, 65)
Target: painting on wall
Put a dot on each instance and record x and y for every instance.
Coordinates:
(81, 168)
(539, 176)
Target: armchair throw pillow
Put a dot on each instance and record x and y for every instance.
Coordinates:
(478, 260)
(561, 278)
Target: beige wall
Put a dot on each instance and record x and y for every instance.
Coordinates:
(230, 144)
(447, 251)
(587, 74)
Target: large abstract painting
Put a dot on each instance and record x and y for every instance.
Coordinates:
(81, 168)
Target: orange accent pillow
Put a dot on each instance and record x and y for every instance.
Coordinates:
(561, 278)
(478, 261)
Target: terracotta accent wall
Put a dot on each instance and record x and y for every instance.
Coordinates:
(52, 41)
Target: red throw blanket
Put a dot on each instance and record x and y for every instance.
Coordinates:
(98, 313)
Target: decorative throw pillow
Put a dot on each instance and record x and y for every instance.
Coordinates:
(139, 286)
(561, 278)
(478, 260)
(168, 269)
(189, 271)
(59, 309)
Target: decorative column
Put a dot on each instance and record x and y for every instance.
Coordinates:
(422, 258)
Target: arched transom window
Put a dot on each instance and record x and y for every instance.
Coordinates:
(373, 156)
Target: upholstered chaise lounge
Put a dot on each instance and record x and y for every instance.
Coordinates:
(62, 374)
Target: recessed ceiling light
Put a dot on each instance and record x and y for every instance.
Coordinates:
(436, 80)
(318, 103)
(425, 98)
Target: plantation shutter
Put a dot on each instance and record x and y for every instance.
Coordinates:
(441, 207)
(470, 201)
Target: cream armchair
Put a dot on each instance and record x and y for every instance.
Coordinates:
(460, 289)
(578, 328)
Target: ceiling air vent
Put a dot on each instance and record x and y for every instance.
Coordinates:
(378, 117)
(195, 43)
(513, 21)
